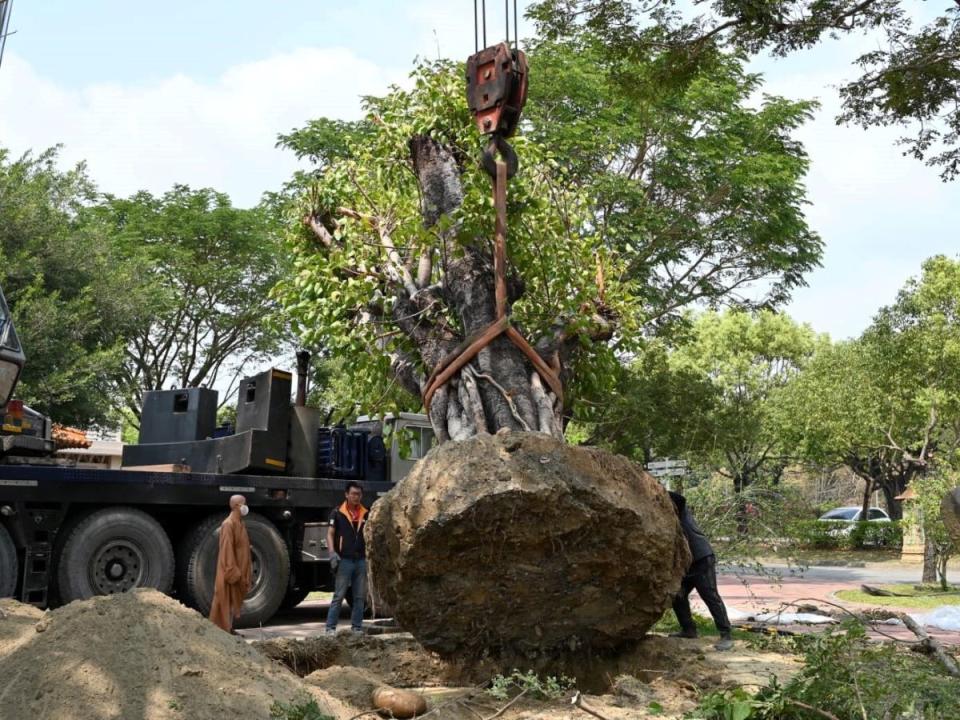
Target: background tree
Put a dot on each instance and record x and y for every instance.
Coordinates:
(912, 79)
(699, 189)
(886, 405)
(836, 412)
(205, 272)
(655, 409)
(66, 285)
(713, 397)
(748, 360)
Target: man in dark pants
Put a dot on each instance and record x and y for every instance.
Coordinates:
(701, 576)
(348, 558)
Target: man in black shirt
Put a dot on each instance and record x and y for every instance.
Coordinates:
(348, 558)
(702, 576)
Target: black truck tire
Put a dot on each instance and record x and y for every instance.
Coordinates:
(114, 550)
(9, 569)
(197, 568)
(294, 597)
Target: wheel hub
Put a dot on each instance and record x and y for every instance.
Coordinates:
(117, 567)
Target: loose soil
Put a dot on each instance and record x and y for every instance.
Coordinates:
(668, 671)
(16, 624)
(136, 656)
(143, 656)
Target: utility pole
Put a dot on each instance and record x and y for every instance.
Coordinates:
(5, 6)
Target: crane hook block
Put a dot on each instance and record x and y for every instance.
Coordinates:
(497, 88)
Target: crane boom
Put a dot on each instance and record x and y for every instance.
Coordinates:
(5, 7)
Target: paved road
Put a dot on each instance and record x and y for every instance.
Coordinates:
(871, 573)
(308, 618)
(748, 592)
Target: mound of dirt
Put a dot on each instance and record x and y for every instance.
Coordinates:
(16, 624)
(518, 546)
(353, 685)
(143, 655)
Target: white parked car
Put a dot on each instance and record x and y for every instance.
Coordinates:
(846, 518)
(852, 514)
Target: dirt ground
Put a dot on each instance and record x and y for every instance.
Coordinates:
(143, 656)
(661, 671)
(136, 656)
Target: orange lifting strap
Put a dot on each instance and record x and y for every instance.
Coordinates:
(496, 93)
(469, 348)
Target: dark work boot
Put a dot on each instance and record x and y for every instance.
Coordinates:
(726, 642)
(688, 634)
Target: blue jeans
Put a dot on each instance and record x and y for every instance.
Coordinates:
(350, 573)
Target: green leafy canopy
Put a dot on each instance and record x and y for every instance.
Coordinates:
(336, 298)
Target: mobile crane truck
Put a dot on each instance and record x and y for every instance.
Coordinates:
(68, 533)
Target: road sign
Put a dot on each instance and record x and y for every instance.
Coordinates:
(668, 472)
(665, 468)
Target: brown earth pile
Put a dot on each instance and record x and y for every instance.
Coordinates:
(16, 624)
(353, 685)
(519, 546)
(143, 656)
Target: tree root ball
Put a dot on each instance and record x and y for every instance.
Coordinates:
(518, 545)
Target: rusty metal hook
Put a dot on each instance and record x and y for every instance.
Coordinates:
(499, 144)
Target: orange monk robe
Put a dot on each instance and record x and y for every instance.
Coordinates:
(234, 573)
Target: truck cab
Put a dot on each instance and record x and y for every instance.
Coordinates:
(11, 355)
(409, 436)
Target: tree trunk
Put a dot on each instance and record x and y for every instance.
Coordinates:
(865, 504)
(740, 482)
(498, 388)
(942, 558)
(891, 487)
(929, 561)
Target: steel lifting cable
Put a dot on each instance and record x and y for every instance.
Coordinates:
(496, 91)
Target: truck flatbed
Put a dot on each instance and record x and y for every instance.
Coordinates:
(37, 483)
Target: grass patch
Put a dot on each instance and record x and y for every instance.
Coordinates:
(322, 596)
(909, 596)
(705, 628)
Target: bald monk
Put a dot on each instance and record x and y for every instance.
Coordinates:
(234, 568)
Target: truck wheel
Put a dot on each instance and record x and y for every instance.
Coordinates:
(294, 598)
(271, 568)
(9, 569)
(114, 550)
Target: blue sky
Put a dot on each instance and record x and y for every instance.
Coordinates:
(155, 93)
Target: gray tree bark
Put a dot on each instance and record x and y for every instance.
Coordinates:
(498, 388)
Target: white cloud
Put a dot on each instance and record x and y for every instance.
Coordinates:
(177, 130)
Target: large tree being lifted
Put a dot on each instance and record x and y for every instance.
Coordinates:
(402, 227)
(395, 275)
